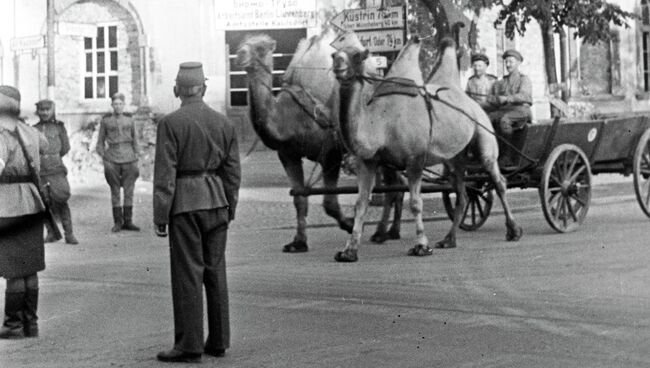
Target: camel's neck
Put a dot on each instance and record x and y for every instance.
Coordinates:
(262, 107)
(350, 111)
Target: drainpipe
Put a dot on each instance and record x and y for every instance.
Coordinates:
(51, 82)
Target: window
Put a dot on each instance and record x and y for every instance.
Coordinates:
(645, 42)
(100, 72)
(287, 42)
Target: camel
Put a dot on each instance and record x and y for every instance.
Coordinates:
(297, 124)
(409, 131)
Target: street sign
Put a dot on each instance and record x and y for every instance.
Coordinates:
(77, 29)
(265, 14)
(382, 40)
(370, 18)
(27, 43)
(380, 62)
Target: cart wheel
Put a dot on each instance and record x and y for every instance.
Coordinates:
(641, 172)
(565, 188)
(479, 205)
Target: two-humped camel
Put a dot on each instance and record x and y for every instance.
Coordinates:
(297, 124)
(408, 130)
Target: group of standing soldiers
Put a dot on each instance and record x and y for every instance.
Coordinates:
(507, 101)
(197, 176)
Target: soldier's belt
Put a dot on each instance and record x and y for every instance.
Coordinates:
(195, 173)
(15, 179)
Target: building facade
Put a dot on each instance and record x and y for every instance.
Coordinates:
(135, 47)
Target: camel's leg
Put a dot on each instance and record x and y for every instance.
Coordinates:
(513, 231)
(416, 204)
(488, 147)
(366, 182)
(391, 200)
(456, 174)
(293, 168)
(330, 201)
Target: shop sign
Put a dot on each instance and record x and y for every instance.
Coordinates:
(266, 14)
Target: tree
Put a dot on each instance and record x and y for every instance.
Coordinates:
(591, 20)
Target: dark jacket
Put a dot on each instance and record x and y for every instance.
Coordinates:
(197, 162)
(57, 147)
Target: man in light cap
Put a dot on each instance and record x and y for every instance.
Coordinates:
(117, 144)
(53, 172)
(479, 86)
(512, 99)
(196, 184)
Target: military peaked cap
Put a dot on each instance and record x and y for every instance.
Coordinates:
(190, 74)
(480, 56)
(514, 53)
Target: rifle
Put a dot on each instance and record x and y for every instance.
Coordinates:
(36, 180)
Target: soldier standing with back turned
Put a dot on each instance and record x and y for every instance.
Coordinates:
(196, 184)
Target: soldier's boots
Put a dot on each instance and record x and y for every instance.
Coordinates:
(12, 327)
(66, 221)
(30, 321)
(128, 219)
(118, 220)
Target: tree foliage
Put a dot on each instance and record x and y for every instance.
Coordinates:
(590, 19)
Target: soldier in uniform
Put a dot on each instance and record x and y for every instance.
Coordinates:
(479, 86)
(196, 184)
(53, 171)
(117, 145)
(512, 99)
(22, 251)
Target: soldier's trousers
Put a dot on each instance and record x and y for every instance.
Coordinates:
(121, 176)
(197, 250)
(61, 211)
(509, 119)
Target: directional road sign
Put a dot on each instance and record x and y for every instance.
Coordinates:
(370, 18)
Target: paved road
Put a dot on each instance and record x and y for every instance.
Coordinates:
(550, 300)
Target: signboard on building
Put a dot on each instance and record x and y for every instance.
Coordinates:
(266, 14)
(370, 18)
(27, 43)
(378, 29)
(77, 29)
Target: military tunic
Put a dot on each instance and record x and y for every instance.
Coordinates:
(479, 88)
(117, 144)
(21, 214)
(515, 111)
(53, 171)
(196, 183)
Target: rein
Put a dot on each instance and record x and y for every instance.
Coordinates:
(428, 96)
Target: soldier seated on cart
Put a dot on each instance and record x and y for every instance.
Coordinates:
(479, 85)
(511, 99)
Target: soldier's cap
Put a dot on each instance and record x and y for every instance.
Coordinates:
(514, 53)
(9, 100)
(480, 56)
(11, 92)
(44, 104)
(190, 74)
(118, 96)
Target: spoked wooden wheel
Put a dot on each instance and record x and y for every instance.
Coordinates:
(641, 170)
(479, 205)
(565, 188)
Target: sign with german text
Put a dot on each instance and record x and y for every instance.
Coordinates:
(27, 43)
(370, 18)
(265, 14)
(382, 40)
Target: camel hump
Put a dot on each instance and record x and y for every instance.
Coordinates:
(447, 42)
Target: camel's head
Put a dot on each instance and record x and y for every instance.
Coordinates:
(348, 63)
(255, 49)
